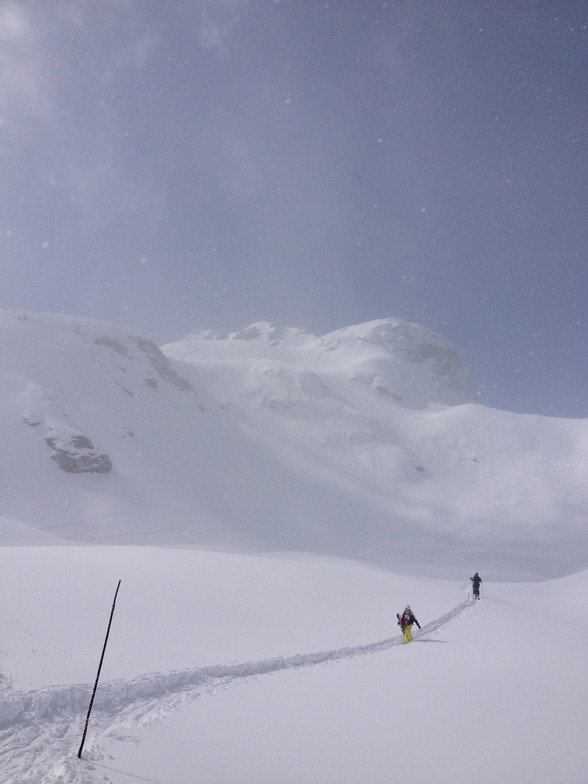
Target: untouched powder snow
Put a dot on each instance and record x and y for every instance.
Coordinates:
(234, 668)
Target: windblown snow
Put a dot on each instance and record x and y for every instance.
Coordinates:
(275, 497)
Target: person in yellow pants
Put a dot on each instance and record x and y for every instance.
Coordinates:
(405, 621)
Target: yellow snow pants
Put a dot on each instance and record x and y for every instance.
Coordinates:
(408, 632)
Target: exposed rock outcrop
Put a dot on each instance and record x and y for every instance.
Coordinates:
(77, 455)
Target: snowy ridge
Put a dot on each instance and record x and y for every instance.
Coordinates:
(40, 730)
(362, 443)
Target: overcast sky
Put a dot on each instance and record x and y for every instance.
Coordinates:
(183, 164)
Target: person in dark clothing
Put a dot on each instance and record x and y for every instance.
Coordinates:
(475, 581)
(405, 621)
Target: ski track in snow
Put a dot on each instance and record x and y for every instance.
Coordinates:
(40, 731)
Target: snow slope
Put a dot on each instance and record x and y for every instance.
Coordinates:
(235, 669)
(361, 443)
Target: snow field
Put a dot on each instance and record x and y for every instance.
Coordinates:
(212, 672)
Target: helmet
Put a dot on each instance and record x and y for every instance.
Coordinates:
(407, 608)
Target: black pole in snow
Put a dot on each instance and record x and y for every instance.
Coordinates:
(98, 674)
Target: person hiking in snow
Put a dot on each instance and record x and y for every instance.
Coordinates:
(405, 621)
(475, 581)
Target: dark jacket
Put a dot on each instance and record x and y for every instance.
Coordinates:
(407, 619)
(476, 580)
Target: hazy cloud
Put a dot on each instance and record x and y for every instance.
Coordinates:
(215, 21)
(24, 83)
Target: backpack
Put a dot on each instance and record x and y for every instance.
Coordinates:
(403, 620)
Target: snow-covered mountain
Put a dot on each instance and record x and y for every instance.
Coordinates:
(363, 442)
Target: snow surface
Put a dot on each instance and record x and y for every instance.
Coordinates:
(226, 668)
(275, 498)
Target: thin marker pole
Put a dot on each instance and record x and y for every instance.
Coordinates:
(98, 674)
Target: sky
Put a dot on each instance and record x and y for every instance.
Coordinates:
(212, 163)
